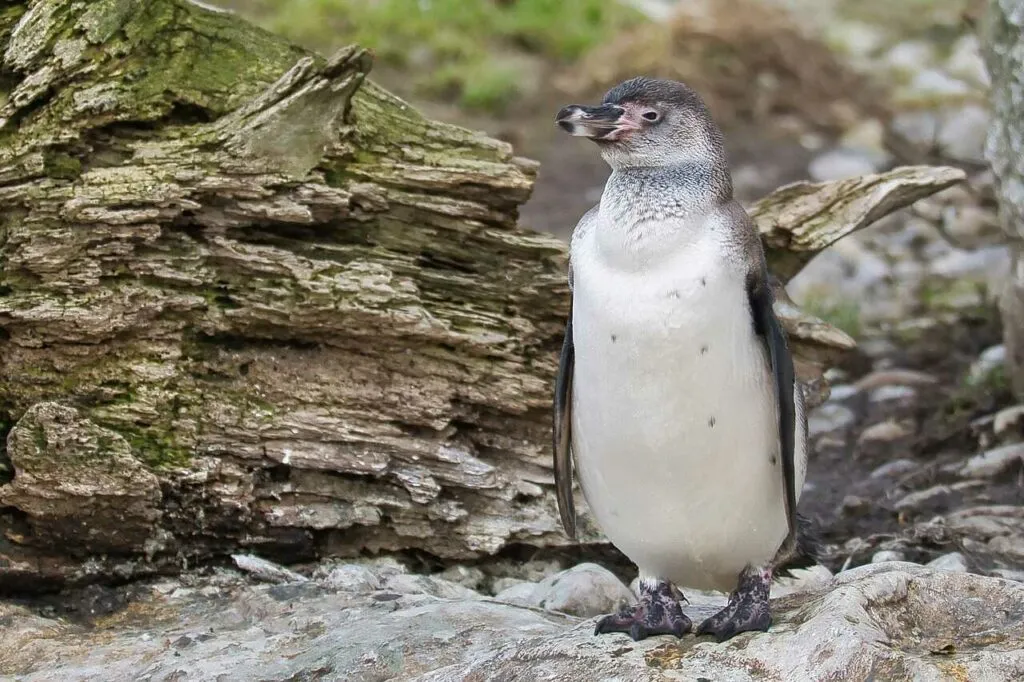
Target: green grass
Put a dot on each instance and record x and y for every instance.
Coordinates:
(450, 47)
(844, 315)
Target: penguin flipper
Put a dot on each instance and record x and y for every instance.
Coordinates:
(563, 432)
(768, 327)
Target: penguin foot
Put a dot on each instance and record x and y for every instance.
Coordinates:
(747, 610)
(658, 613)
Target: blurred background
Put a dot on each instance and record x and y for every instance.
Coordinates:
(804, 89)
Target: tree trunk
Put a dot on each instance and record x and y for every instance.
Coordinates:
(249, 299)
(1004, 56)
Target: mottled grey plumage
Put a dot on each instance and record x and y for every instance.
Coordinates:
(669, 233)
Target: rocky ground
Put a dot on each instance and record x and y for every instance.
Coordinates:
(918, 457)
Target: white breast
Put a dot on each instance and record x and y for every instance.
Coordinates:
(674, 416)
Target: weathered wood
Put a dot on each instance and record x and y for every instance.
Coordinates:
(251, 300)
(1004, 55)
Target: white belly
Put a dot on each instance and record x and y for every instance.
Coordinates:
(674, 417)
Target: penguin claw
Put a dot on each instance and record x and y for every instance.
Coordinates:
(747, 610)
(658, 613)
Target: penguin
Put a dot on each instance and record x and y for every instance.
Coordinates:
(676, 402)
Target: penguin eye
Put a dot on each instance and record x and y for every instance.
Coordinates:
(651, 116)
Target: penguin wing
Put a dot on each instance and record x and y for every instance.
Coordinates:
(563, 432)
(771, 333)
(562, 413)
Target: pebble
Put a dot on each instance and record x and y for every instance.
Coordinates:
(932, 83)
(962, 134)
(990, 359)
(965, 61)
(352, 578)
(842, 392)
(407, 583)
(829, 417)
(501, 584)
(954, 561)
(909, 57)
(467, 576)
(585, 590)
(994, 462)
(886, 393)
(1012, 545)
(919, 497)
(267, 571)
(919, 129)
(520, 594)
(895, 468)
(1009, 574)
(841, 163)
(886, 555)
(1008, 419)
(895, 377)
(884, 432)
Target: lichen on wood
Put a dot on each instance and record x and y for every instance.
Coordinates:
(303, 309)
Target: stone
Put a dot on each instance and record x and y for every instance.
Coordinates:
(499, 585)
(1011, 546)
(886, 555)
(928, 619)
(920, 497)
(828, 418)
(584, 590)
(884, 432)
(994, 462)
(965, 61)
(895, 377)
(520, 593)
(895, 468)
(1008, 420)
(954, 561)
(931, 84)
(842, 392)
(962, 134)
(842, 163)
(909, 58)
(266, 571)
(989, 361)
(917, 128)
(470, 577)
(884, 394)
(412, 584)
(352, 578)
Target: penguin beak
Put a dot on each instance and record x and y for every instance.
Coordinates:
(606, 122)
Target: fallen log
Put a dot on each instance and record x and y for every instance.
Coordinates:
(249, 300)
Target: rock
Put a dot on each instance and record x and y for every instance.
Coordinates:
(868, 135)
(470, 577)
(989, 361)
(932, 84)
(919, 497)
(884, 394)
(895, 468)
(965, 61)
(407, 583)
(919, 129)
(895, 377)
(909, 58)
(521, 593)
(884, 432)
(1009, 574)
(584, 590)
(352, 578)
(962, 134)
(294, 632)
(886, 555)
(856, 39)
(842, 392)
(855, 505)
(994, 462)
(499, 585)
(842, 163)
(828, 418)
(1008, 420)
(264, 570)
(1008, 545)
(954, 561)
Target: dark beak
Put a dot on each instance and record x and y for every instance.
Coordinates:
(605, 122)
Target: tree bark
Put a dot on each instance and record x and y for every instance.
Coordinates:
(1004, 56)
(250, 299)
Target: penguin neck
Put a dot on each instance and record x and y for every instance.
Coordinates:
(637, 199)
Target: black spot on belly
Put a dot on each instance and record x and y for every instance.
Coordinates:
(711, 422)
(703, 281)
(704, 349)
(614, 338)
(773, 459)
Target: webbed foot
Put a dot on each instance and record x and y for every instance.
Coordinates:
(658, 613)
(747, 610)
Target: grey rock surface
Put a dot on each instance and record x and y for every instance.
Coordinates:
(899, 620)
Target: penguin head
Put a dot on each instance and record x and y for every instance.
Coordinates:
(648, 122)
